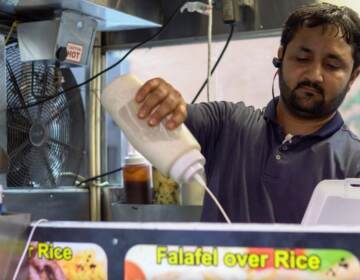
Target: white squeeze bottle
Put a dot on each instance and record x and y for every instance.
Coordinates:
(174, 153)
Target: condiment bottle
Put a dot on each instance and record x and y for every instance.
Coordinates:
(175, 153)
(137, 179)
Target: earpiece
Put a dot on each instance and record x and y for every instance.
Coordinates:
(277, 62)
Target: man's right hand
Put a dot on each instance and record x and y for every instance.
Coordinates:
(159, 101)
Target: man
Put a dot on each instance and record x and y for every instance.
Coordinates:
(263, 165)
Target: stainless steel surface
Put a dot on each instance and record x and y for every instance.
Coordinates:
(273, 13)
(65, 203)
(72, 30)
(4, 161)
(154, 213)
(115, 209)
(103, 129)
(265, 15)
(33, 44)
(79, 30)
(13, 228)
(95, 133)
(110, 195)
(110, 14)
(3, 106)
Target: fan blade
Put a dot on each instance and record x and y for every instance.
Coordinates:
(65, 146)
(19, 173)
(18, 128)
(17, 90)
(45, 158)
(32, 91)
(14, 153)
(32, 78)
(44, 82)
(58, 112)
(55, 116)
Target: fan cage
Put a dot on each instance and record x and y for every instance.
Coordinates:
(44, 141)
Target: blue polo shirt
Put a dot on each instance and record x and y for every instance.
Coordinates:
(260, 175)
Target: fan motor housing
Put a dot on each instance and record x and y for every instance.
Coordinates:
(44, 40)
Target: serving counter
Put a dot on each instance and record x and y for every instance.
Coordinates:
(113, 250)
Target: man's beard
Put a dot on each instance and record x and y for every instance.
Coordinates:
(318, 108)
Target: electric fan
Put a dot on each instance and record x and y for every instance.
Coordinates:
(45, 142)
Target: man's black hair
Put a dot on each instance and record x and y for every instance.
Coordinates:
(321, 14)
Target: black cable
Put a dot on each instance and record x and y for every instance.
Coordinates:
(106, 69)
(272, 89)
(128, 53)
(216, 63)
(99, 176)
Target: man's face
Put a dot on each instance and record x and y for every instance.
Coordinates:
(316, 72)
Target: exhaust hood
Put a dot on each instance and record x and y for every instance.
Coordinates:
(111, 15)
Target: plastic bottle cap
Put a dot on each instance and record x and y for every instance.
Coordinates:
(196, 168)
(185, 167)
(134, 158)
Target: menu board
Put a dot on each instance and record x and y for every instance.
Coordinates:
(100, 251)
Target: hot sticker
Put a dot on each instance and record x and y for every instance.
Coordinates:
(74, 52)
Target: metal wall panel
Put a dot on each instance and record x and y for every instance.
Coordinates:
(65, 204)
(110, 14)
(265, 15)
(13, 229)
(273, 13)
(3, 106)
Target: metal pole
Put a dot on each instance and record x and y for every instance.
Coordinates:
(104, 146)
(95, 132)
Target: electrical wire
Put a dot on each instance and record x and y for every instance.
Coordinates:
(216, 63)
(99, 176)
(12, 28)
(272, 88)
(197, 177)
(106, 69)
(21, 261)
(207, 82)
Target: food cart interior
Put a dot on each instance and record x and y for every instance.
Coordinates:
(53, 145)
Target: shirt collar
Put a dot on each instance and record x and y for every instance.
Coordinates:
(328, 129)
(270, 110)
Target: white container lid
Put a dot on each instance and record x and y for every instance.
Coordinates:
(134, 158)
